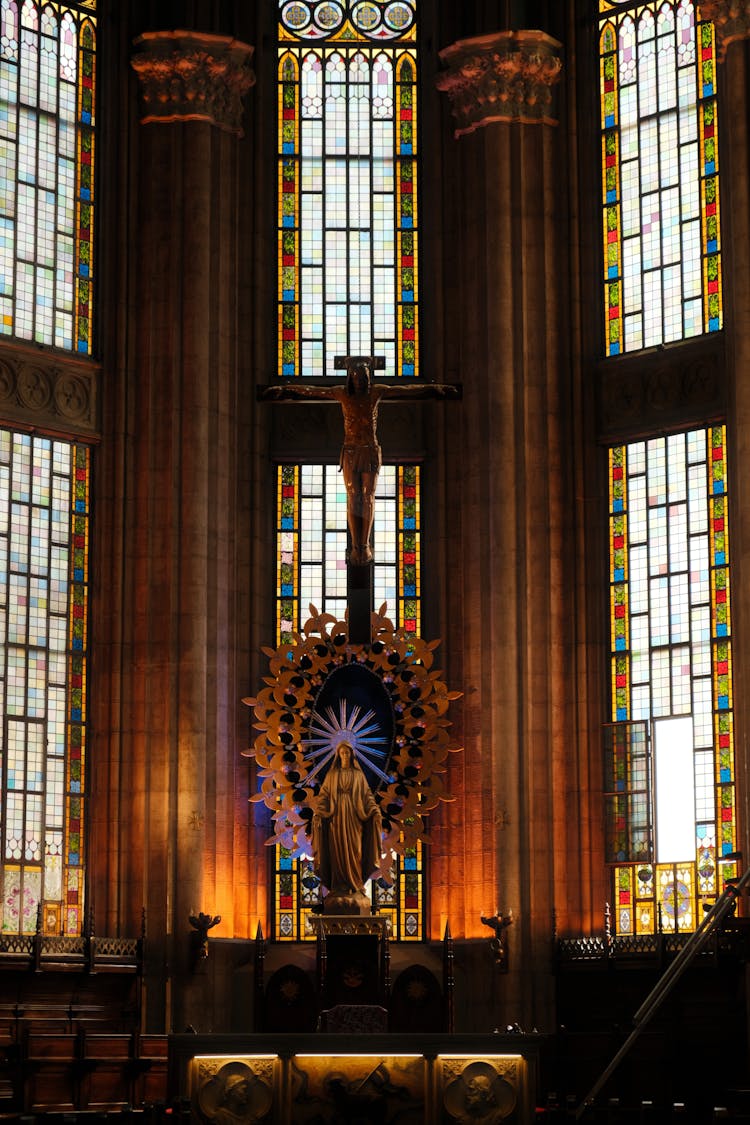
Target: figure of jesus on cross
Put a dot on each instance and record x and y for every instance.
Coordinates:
(361, 457)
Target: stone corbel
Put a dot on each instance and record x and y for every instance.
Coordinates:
(187, 76)
(507, 76)
(731, 19)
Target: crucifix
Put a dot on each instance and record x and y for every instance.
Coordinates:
(360, 461)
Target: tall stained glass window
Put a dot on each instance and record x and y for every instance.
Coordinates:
(671, 819)
(312, 544)
(660, 174)
(311, 538)
(47, 98)
(44, 512)
(347, 185)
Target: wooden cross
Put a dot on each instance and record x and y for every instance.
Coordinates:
(360, 460)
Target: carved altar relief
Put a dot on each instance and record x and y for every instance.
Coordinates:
(354, 1088)
(238, 1092)
(481, 1091)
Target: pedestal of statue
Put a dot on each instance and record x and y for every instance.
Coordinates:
(347, 924)
(354, 903)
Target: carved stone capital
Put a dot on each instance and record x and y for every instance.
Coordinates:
(731, 19)
(507, 76)
(48, 391)
(186, 76)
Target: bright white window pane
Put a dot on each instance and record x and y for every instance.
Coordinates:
(675, 789)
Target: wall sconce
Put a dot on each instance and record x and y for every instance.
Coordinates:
(201, 924)
(499, 923)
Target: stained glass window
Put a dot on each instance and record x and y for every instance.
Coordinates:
(627, 789)
(660, 174)
(44, 511)
(347, 185)
(311, 541)
(671, 669)
(47, 98)
(312, 544)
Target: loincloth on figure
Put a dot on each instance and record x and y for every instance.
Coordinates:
(360, 459)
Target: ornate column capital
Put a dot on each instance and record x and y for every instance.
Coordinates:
(731, 19)
(188, 76)
(507, 76)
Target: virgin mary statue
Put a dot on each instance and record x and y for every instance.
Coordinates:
(346, 832)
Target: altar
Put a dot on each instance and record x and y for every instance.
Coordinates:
(323, 1078)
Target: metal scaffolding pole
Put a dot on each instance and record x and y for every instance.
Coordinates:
(714, 917)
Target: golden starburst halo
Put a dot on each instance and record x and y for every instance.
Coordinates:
(303, 713)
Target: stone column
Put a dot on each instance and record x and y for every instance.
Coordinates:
(732, 27)
(181, 689)
(517, 825)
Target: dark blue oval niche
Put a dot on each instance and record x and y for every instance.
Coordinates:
(363, 688)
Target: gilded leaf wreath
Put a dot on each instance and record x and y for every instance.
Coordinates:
(383, 698)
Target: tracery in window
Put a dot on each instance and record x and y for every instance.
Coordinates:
(671, 668)
(311, 540)
(660, 174)
(348, 226)
(47, 99)
(44, 511)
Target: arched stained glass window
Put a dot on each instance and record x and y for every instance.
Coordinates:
(47, 99)
(669, 759)
(660, 174)
(347, 185)
(311, 541)
(44, 512)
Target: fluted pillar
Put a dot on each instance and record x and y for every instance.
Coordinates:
(179, 725)
(517, 826)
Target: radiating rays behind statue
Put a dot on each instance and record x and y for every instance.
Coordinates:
(384, 699)
(358, 730)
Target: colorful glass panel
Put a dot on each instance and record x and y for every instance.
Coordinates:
(660, 174)
(348, 229)
(627, 780)
(311, 542)
(670, 639)
(44, 540)
(401, 901)
(47, 121)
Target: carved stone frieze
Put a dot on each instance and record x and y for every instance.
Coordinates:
(731, 19)
(187, 76)
(677, 385)
(507, 76)
(49, 391)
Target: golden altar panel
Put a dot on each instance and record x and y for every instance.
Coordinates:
(328, 1079)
